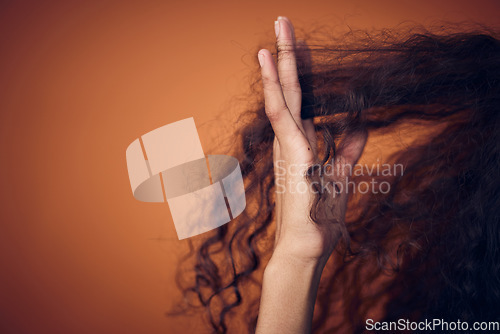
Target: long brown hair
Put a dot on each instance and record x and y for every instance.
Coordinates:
(425, 248)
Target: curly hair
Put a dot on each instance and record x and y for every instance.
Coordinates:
(425, 248)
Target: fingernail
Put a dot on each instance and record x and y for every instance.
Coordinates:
(277, 28)
(261, 59)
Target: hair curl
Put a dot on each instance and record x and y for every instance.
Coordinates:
(428, 248)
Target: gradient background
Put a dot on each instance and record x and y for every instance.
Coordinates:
(79, 81)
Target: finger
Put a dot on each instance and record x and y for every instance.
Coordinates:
(310, 132)
(304, 68)
(289, 23)
(303, 56)
(351, 148)
(287, 67)
(284, 126)
(279, 188)
(347, 155)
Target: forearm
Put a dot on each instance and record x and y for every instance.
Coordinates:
(288, 295)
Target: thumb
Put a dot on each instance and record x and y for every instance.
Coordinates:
(351, 148)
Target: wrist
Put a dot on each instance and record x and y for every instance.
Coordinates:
(292, 255)
(283, 261)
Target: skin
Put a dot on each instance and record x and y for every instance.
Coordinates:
(302, 247)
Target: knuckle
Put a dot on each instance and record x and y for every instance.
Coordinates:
(292, 85)
(284, 46)
(275, 112)
(269, 82)
(285, 56)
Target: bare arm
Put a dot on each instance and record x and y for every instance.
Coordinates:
(288, 296)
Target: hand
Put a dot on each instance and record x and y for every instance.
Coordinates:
(294, 150)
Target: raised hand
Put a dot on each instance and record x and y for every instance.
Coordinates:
(302, 247)
(294, 151)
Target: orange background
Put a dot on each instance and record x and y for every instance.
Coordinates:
(79, 81)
